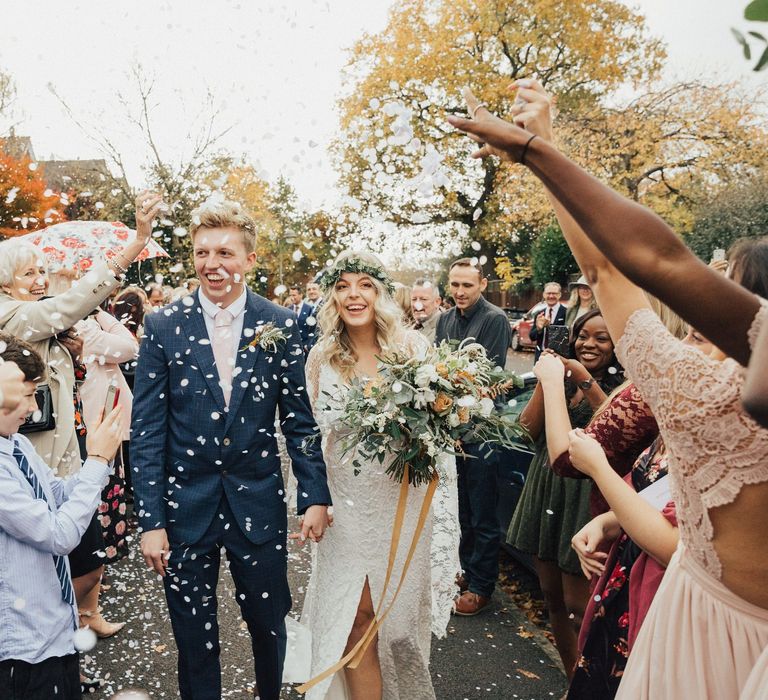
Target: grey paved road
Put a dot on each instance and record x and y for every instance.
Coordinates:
(497, 655)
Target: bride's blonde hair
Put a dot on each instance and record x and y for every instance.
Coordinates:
(335, 346)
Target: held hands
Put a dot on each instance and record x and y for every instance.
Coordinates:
(106, 435)
(314, 524)
(156, 550)
(586, 453)
(11, 385)
(586, 543)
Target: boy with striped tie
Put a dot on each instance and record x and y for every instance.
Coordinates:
(42, 518)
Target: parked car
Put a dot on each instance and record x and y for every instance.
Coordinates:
(521, 329)
(513, 469)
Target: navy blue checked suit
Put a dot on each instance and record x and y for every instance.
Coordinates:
(211, 477)
(308, 331)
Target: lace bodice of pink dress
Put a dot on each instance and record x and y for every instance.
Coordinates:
(715, 448)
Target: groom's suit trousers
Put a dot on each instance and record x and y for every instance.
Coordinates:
(260, 576)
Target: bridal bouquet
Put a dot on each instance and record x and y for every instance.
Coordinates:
(419, 407)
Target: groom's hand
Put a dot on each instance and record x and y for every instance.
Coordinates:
(155, 550)
(313, 525)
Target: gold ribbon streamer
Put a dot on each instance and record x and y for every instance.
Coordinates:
(356, 654)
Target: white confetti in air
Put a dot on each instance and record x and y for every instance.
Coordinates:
(297, 255)
(397, 387)
(612, 370)
(288, 322)
(475, 245)
(84, 639)
(19, 604)
(280, 290)
(550, 512)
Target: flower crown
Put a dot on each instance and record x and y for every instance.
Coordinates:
(332, 275)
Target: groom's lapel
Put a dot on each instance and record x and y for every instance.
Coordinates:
(197, 335)
(246, 355)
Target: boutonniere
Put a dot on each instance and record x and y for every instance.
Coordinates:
(267, 337)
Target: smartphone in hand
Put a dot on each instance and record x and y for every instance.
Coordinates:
(113, 396)
(557, 339)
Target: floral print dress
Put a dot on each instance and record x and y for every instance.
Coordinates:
(604, 636)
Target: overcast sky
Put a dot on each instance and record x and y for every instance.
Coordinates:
(275, 68)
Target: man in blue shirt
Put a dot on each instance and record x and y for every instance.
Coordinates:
(42, 519)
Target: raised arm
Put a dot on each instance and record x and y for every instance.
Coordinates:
(38, 320)
(632, 237)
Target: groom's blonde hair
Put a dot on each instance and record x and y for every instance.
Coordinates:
(335, 345)
(225, 214)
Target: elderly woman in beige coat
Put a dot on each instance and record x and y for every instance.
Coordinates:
(48, 324)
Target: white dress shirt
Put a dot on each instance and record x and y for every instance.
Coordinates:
(36, 623)
(236, 308)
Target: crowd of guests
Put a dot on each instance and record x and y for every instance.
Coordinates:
(643, 507)
(670, 539)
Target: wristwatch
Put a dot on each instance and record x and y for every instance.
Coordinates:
(586, 384)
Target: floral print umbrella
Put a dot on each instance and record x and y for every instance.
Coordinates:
(77, 245)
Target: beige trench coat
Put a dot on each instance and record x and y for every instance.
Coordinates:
(38, 322)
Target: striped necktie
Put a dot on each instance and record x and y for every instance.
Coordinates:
(67, 592)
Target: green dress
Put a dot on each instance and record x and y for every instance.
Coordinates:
(552, 508)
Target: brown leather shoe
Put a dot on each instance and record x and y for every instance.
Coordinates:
(462, 583)
(469, 604)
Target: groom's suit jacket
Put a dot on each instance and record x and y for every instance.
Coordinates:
(188, 450)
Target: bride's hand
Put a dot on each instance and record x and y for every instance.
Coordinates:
(496, 136)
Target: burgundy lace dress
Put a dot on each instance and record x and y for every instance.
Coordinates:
(699, 640)
(624, 429)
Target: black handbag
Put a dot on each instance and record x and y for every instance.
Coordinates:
(42, 419)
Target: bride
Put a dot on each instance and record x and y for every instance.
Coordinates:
(359, 321)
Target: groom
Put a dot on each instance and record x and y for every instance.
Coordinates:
(205, 457)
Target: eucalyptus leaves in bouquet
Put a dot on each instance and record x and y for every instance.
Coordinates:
(419, 407)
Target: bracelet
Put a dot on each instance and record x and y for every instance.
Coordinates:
(525, 149)
(122, 270)
(125, 260)
(90, 456)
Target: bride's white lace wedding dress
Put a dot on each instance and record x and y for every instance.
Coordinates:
(357, 547)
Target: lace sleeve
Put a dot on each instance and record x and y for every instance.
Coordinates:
(677, 381)
(444, 548)
(624, 429)
(312, 370)
(758, 323)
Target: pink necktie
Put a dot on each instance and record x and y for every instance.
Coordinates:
(222, 350)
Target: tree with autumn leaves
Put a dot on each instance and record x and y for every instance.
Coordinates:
(26, 203)
(669, 147)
